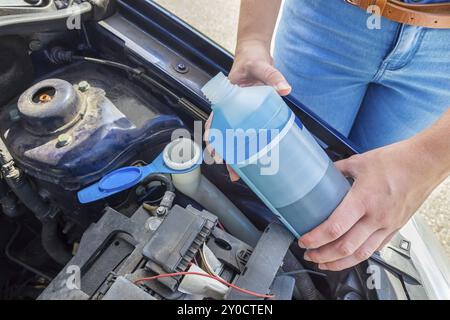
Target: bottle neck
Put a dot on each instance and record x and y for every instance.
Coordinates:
(218, 88)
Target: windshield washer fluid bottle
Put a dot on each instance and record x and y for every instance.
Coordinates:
(257, 134)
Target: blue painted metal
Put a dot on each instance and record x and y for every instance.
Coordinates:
(208, 56)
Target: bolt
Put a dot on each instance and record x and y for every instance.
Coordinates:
(152, 223)
(11, 172)
(35, 45)
(84, 86)
(63, 140)
(161, 211)
(181, 67)
(44, 98)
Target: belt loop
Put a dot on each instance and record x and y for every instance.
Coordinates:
(380, 4)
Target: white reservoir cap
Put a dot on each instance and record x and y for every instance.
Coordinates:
(181, 154)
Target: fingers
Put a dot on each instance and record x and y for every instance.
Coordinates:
(209, 149)
(345, 246)
(215, 157)
(386, 241)
(347, 167)
(208, 126)
(341, 220)
(271, 77)
(363, 253)
(233, 175)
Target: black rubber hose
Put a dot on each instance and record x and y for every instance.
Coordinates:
(21, 187)
(8, 201)
(58, 55)
(303, 282)
(165, 181)
(24, 265)
(124, 67)
(25, 193)
(55, 248)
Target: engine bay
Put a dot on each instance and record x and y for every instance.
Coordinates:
(70, 114)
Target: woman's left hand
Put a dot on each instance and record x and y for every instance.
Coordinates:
(390, 184)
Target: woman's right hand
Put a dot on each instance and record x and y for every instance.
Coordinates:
(252, 66)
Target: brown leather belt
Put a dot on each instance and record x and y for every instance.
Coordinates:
(434, 15)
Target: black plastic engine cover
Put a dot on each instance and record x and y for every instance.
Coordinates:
(179, 237)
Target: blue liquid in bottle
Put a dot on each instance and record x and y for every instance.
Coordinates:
(256, 133)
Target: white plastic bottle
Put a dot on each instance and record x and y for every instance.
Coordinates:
(301, 185)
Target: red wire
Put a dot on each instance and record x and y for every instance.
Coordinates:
(167, 275)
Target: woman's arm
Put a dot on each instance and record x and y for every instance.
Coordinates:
(434, 144)
(257, 21)
(391, 183)
(253, 64)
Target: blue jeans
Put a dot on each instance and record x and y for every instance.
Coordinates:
(375, 86)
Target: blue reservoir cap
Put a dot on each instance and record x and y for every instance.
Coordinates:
(127, 177)
(119, 179)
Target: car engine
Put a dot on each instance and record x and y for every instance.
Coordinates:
(69, 116)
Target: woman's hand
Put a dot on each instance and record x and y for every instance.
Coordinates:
(390, 185)
(233, 175)
(252, 66)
